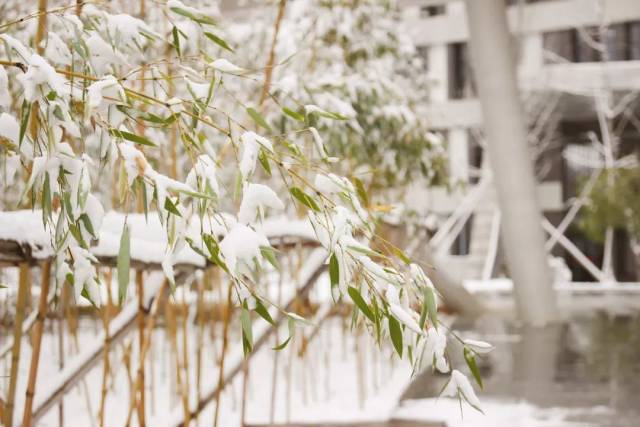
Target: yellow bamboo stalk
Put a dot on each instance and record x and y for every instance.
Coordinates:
(268, 70)
(64, 299)
(185, 353)
(200, 338)
(146, 346)
(37, 341)
(42, 26)
(23, 288)
(173, 338)
(106, 319)
(141, 327)
(225, 343)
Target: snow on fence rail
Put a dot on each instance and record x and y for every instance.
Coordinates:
(23, 238)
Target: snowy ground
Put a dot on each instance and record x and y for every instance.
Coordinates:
(321, 386)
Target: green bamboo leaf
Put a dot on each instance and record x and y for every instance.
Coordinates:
(124, 262)
(270, 255)
(131, 137)
(24, 121)
(396, 334)
(362, 193)
(263, 312)
(264, 161)
(293, 114)
(400, 254)
(247, 334)
(473, 366)
(199, 17)
(176, 40)
(430, 304)
(360, 303)
(171, 207)
(304, 198)
(217, 40)
(334, 270)
(283, 345)
(257, 117)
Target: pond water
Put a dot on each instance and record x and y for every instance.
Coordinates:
(584, 372)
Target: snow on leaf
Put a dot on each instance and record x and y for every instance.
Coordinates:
(106, 87)
(205, 170)
(41, 74)
(5, 97)
(251, 144)
(242, 243)
(57, 50)
(9, 128)
(405, 317)
(435, 349)
(15, 45)
(458, 383)
(479, 347)
(225, 66)
(257, 197)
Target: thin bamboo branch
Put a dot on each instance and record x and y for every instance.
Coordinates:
(37, 341)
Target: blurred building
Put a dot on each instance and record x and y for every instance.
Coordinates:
(579, 71)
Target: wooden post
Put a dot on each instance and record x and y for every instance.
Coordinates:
(37, 341)
(23, 288)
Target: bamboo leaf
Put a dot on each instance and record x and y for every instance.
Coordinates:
(264, 161)
(473, 366)
(430, 304)
(176, 40)
(270, 255)
(396, 334)
(199, 18)
(257, 117)
(263, 312)
(124, 262)
(360, 303)
(283, 345)
(131, 137)
(362, 193)
(293, 114)
(334, 270)
(217, 40)
(247, 334)
(304, 198)
(171, 207)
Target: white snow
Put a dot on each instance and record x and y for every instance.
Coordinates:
(57, 50)
(225, 66)
(41, 73)
(459, 383)
(251, 144)
(242, 243)
(5, 98)
(435, 349)
(109, 87)
(255, 198)
(9, 127)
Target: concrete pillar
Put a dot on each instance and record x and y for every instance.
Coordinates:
(458, 150)
(510, 160)
(438, 69)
